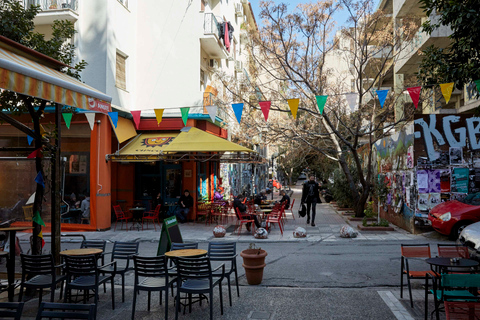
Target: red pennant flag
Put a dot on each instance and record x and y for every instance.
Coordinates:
(36, 153)
(136, 117)
(265, 106)
(415, 95)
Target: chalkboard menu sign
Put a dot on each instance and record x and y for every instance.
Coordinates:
(170, 233)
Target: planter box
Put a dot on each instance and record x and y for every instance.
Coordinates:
(345, 209)
(367, 228)
(348, 213)
(361, 219)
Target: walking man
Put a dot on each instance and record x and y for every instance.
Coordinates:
(310, 196)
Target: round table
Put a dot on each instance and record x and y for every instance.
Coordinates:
(81, 252)
(11, 259)
(185, 253)
(137, 213)
(446, 263)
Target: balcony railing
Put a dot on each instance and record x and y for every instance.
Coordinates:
(46, 5)
(210, 25)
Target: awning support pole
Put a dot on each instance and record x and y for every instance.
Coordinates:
(56, 189)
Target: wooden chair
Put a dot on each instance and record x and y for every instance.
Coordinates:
(120, 216)
(409, 251)
(243, 219)
(153, 216)
(11, 310)
(66, 311)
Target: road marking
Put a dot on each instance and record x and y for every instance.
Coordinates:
(395, 306)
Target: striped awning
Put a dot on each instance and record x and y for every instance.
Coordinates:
(31, 78)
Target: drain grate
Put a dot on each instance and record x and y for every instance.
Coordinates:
(260, 315)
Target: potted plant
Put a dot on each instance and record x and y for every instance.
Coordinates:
(253, 262)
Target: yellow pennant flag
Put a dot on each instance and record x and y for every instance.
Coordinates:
(159, 115)
(42, 131)
(293, 104)
(447, 89)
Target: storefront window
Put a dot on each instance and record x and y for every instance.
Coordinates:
(76, 205)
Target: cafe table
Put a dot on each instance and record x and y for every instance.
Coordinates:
(137, 213)
(81, 252)
(186, 253)
(11, 258)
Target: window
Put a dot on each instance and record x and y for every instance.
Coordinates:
(120, 73)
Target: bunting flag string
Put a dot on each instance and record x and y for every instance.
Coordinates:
(40, 235)
(35, 154)
(136, 117)
(184, 112)
(29, 139)
(415, 95)
(382, 95)
(293, 104)
(265, 106)
(158, 115)
(477, 82)
(37, 219)
(68, 118)
(90, 118)
(447, 89)
(114, 118)
(351, 100)
(212, 112)
(321, 101)
(238, 110)
(39, 179)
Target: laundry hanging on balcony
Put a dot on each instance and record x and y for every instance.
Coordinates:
(226, 33)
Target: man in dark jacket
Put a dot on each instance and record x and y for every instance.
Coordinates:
(285, 198)
(310, 196)
(237, 203)
(184, 203)
(260, 197)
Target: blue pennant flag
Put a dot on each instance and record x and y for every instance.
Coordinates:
(39, 179)
(29, 139)
(114, 117)
(238, 110)
(382, 95)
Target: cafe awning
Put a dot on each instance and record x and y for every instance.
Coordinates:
(26, 76)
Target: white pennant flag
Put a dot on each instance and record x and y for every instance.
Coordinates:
(90, 118)
(352, 100)
(212, 112)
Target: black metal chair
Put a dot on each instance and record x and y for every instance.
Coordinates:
(122, 251)
(11, 310)
(195, 276)
(43, 273)
(180, 246)
(84, 274)
(66, 311)
(154, 274)
(225, 251)
(97, 244)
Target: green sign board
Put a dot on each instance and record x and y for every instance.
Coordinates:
(170, 233)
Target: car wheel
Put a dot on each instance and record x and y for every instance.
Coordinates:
(458, 228)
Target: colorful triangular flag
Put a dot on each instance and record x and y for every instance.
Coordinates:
(114, 118)
(415, 95)
(382, 95)
(136, 117)
(265, 106)
(447, 89)
(158, 115)
(29, 139)
(238, 110)
(39, 179)
(42, 131)
(35, 154)
(37, 219)
(351, 100)
(68, 118)
(40, 235)
(185, 111)
(293, 104)
(91, 119)
(477, 82)
(321, 101)
(212, 112)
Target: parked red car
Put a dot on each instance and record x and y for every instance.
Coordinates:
(451, 217)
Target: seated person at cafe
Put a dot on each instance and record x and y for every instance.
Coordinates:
(85, 207)
(184, 204)
(285, 198)
(217, 196)
(260, 197)
(237, 203)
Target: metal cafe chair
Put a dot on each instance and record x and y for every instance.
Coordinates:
(66, 311)
(151, 274)
(120, 216)
(97, 244)
(225, 251)
(153, 216)
(11, 310)
(452, 251)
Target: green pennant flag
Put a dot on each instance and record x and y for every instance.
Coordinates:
(37, 219)
(68, 119)
(321, 101)
(477, 82)
(185, 111)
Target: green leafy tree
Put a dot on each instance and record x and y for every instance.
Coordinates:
(459, 62)
(16, 23)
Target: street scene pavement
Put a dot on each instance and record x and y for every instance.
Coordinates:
(322, 276)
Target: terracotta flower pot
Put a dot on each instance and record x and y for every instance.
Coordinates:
(253, 262)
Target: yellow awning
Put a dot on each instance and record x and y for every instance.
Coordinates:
(124, 130)
(31, 78)
(196, 140)
(144, 147)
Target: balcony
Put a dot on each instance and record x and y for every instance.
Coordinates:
(403, 8)
(52, 10)
(210, 40)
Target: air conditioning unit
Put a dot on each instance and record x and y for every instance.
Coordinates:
(238, 9)
(238, 66)
(213, 63)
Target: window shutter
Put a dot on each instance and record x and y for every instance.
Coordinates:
(121, 79)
